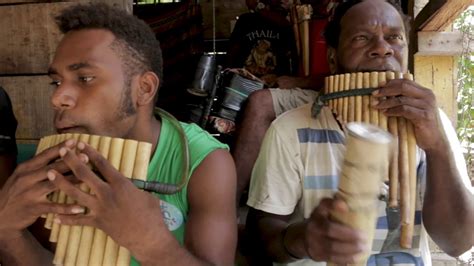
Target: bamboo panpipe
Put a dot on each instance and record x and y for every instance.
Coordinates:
(402, 167)
(304, 13)
(85, 245)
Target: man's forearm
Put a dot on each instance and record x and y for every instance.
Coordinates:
(23, 249)
(448, 210)
(164, 249)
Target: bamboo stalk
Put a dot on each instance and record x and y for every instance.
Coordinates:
(411, 142)
(383, 122)
(100, 238)
(111, 248)
(366, 99)
(345, 110)
(296, 30)
(358, 99)
(75, 230)
(87, 235)
(352, 105)
(393, 171)
(374, 83)
(61, 198)
(336, 89)
(405, 201)
(331, 90)
(42, 145)
(126, 168)
(64, 230)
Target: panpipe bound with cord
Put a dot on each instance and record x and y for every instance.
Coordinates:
(85, 245)
(349, 96)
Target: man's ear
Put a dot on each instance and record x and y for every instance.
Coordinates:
(148, 84)
(332, 59)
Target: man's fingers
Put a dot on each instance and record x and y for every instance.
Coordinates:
(57, 208)
(404, 87)
(105, 168)
(348, 249)
(71, 190)
(77, 219)
(344, 233)
(81, 170)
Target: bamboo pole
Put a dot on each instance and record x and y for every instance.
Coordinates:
(383, 122)
(111, 248)
(374, 83)
(87, 235)
(345, 110)
(352, 105)
(100, 238)
(126, 168)
(366, 99)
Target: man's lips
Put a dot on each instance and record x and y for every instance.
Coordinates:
(67, 129)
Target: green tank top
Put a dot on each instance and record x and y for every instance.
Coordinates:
(166, 167)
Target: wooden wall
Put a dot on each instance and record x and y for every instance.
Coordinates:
(226, 11)
(29, 37)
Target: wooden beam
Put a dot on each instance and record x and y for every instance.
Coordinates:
(437, 15)
(438, 73)
(441, 43)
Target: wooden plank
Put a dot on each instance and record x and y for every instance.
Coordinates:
(30, 99)
(29, 37)
(438, 73)
(226, 11)
(441, 43)
(437, 15)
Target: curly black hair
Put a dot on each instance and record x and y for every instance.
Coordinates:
(135, 42)
(333, 28)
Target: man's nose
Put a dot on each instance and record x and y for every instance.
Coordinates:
(380, 48)
(64, 97)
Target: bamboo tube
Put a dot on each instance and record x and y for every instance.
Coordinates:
(383, 123)
(139, 172)
(87, 234)
(393, 172)
(304, 15)
(126, 168)
(42, 145)
(362, 200)
(331, 90)
(345, 109)
(352, 107)
(358, 99)
(64, 230)
(296, 31)
(374, 83)
(111, 248)
(100, 238)
(366, 99)
(61, 198)
(75, 230)
(411, 142)
(336, 89)
(403, 164)
(340, 101)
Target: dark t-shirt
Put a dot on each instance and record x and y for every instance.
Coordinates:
(8, 125)
(262, 47)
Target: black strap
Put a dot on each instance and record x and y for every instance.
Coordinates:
(322, 99)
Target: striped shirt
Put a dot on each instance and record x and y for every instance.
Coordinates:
(299, 164)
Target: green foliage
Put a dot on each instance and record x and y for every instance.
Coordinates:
(465, 98)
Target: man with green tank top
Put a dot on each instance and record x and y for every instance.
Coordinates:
(105, 77)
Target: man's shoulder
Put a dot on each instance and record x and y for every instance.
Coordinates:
(294, 116)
